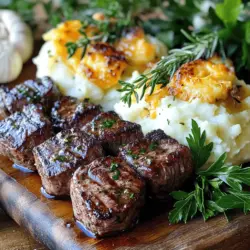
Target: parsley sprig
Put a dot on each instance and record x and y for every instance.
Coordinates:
(217, 189)
(199, 46)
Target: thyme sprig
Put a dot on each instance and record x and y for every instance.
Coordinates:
(109, 30)
(199, 46)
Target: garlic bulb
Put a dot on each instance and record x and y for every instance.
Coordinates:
(16, 45)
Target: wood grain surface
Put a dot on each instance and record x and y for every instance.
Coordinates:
(51, 221)
(13, 237)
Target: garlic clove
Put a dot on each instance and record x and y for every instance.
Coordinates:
(23, 42)
(11, 62)
(19, 33)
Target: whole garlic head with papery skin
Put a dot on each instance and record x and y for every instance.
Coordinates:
(16, 45)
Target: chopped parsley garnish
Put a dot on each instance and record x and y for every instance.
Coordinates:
(34, 97)
(132, 196)
(142, 151)
(153, 145)
(114, 169)
(108, 123)
(61, 158)
(130, 153)
(113, 166)
(68, 139)
(116, 175)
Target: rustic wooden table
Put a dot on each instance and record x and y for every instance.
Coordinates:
(12, 237)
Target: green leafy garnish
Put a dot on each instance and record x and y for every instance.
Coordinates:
(114, 169)
(216, 190)
(200, 150)
(229, 11)
(108, 123)
(153, 145)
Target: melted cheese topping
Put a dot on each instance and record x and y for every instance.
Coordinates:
(102, 64)
(204, 79)
(137, 49)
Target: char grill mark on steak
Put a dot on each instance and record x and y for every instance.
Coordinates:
(39, 91)
(69, 112)
(21, 132)
(112, 131)
(162, 162)
(107, 196)
(57, 158)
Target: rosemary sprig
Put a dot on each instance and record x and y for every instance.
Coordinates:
(199, 46)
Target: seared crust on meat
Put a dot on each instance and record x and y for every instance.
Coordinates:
(69, 112)
(157, 135)
(57, 158)
(21, 132)
(113, 132)
(107, 196)
(39, 91)
(163, 163)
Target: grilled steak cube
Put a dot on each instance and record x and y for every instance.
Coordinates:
(58, 158)
(69, 112)
(39, 91)
(113, 132)
(157, 135)
(163, 163)
(107, 196)
(21, 132)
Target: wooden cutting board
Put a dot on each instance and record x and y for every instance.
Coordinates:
(51, 221)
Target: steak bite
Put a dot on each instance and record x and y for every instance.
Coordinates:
(39, 91)
(21, 132)
(157, 135)
(163, 163)
(69, 112)
(113, 132)
(58, 158)
(107, 196)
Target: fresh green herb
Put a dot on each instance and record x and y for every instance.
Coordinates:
(108, 123)
(114, 169)
(199, 46)
(229, 11)
(61, 158)
(142, 151)
(216, 189)
(153, 145)
(113, 166)
(132, 196)
(130, 153)
(169, 105)
(197, 144)
(182, 123)
(116, 175)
